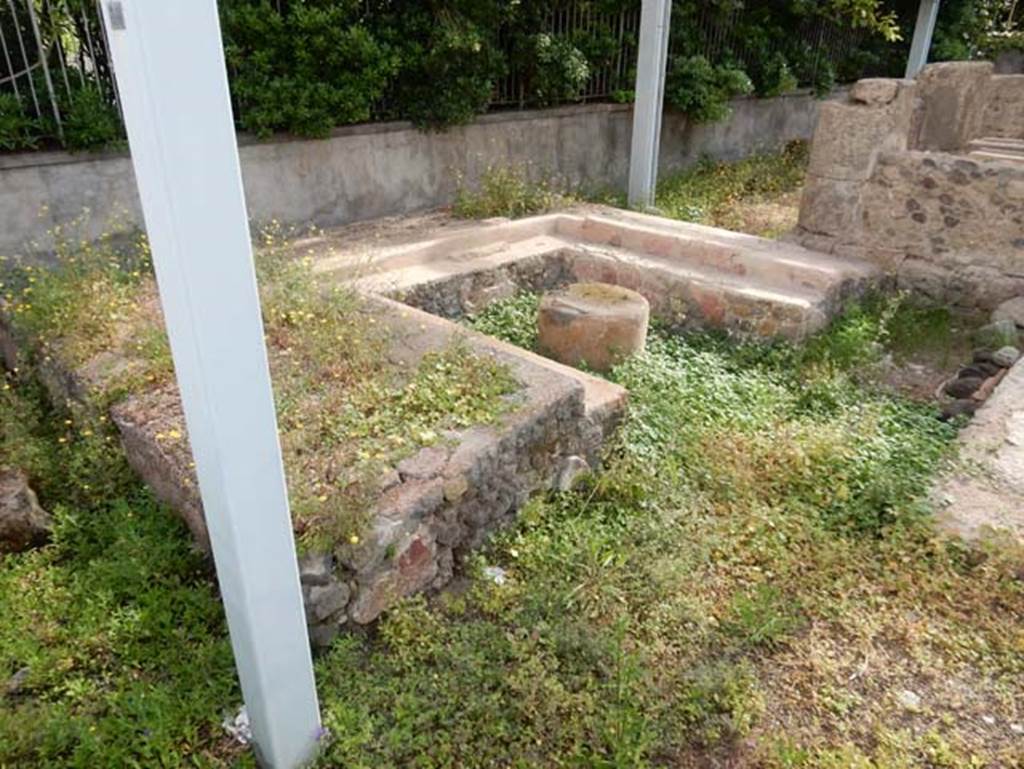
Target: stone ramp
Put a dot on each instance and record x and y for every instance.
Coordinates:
(983, 495)
(707, 276)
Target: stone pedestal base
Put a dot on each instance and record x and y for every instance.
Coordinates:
(595, 324)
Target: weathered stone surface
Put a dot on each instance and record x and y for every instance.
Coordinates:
(426, 463)
(830, 207)
(984, 492)
(316, 568)
(23, 523)
(963, 387)
(953, 97)
(323, 601)
(874, 90)
(572, 470)
(411, 499)
(955, 218)
(412, 569)
(1001, 333)
(1011, 309)
(1004, 110)
(973, 371)
(986, 367)
(988, 386)
(152, 428)
(850, 134)
(596, 324)
(959, 407)
(322, 636)
(1006, 356)
(16, 683)
(949, 226)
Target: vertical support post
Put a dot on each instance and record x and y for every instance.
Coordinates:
(183, 146)
(650, 94)
(927, 13)
(24, 59)
(46, 67)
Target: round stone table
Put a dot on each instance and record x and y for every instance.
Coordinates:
(596, 324)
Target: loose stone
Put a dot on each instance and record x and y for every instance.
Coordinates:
(316, 568)
(1005, 356)
(23, 523)
(959, 407)
(963, 388)
(909, 700)
(1011, 309)
(1002, 333)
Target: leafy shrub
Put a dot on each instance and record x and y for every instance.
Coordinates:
(91, 120)
(450, 62)
(558, 70)
(702, 90)
(306, 69)
(772, 76)
(17, 130)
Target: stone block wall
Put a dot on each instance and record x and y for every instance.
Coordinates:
(1004, 111)
(890, 180)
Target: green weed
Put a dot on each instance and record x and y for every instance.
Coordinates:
(728, 194)
(510, 191)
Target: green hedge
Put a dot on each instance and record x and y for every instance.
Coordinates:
(306, 66)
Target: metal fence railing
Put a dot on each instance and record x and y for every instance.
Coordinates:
(608, 75)
(51, 51)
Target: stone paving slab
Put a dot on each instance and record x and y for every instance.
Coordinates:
(983, 495)
(712, 277)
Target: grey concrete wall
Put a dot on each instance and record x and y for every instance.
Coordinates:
(368, 171)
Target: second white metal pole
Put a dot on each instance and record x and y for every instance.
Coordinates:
(927, 13)
(652, 56)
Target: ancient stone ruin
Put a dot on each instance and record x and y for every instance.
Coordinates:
(918, 182)
(606, 272)
(925, 179)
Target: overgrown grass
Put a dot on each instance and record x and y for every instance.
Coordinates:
(115, 626)
(511, 191)
(346, 412)
(751, 580)
(755, 195)
(758, 195)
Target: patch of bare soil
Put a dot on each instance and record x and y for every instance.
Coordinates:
(764, 216)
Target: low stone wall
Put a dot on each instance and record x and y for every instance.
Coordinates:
(951, 227)
(431, 507)
(369, 171)
(892, 179)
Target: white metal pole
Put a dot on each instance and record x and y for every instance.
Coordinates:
(927, 13)
(169, 64)
(650, 94)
